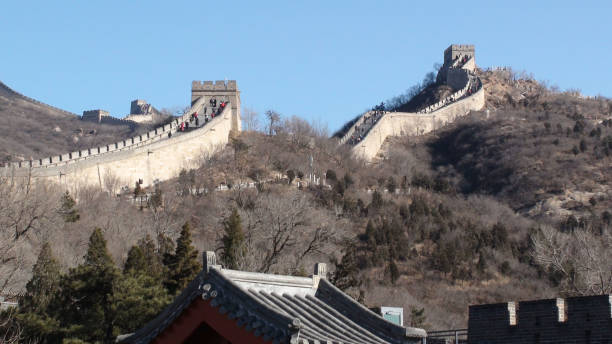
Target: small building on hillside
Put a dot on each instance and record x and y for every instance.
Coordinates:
(229, 306)
(586, 319)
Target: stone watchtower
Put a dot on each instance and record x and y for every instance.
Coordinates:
(94, 115)
(218, 91)
(452, 64)
(457, 50)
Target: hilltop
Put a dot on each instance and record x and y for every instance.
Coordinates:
(32, 129)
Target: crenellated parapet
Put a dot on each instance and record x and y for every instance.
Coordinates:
(455, 51)
(219, 85)
(585, 319)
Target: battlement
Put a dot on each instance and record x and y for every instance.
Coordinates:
(551, 320)
(456, 50)
(219, 85)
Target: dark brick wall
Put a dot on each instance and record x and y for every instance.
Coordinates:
(572, 320)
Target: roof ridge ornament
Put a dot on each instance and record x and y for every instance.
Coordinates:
(320, 272)
(320, 269)
(210, 260)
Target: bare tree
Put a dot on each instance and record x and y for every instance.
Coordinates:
(250, 119)
(300, 132)
(10, 331)
(581, 258)
(282, 230)
(273, 121)
(111, 182)
(25, 209)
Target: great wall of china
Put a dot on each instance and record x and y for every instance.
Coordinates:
(157, 155)
(370, 131)
(161, 153)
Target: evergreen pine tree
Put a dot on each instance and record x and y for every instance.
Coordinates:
(139, 295)
(84, 306)
(394, 273)
(183, 265)
(153, 257)
(156, 199)
(391, 185)
(346, 275)
(370, 234)
(40, 290)
(135, 261)
(137, 190)
(137, 298)
(482, 264)
(44, 283)
(67, 209)
(233, 240)
(377, 200)
(417, 317)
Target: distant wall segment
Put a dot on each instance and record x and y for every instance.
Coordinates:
(459, 64)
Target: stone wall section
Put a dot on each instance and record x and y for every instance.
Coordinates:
(404, 123)
(157, 155)
(586, 319)
(469, 95)
(153, 159)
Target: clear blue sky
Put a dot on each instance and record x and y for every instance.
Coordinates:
(325, 60)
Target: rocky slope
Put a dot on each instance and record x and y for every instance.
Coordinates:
(31, 129)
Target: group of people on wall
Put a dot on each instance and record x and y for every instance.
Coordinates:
(370, 118)
(194, 119)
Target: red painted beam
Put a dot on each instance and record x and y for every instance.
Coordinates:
(199, 312)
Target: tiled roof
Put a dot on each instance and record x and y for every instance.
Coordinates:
(282, 309)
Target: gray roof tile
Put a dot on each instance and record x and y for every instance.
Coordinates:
(282, 309)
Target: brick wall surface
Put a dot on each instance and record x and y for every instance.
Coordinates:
(573, 320)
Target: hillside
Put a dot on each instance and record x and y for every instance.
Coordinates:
(443, 220)
(546, 154)
(415, 247)
(31, 129)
